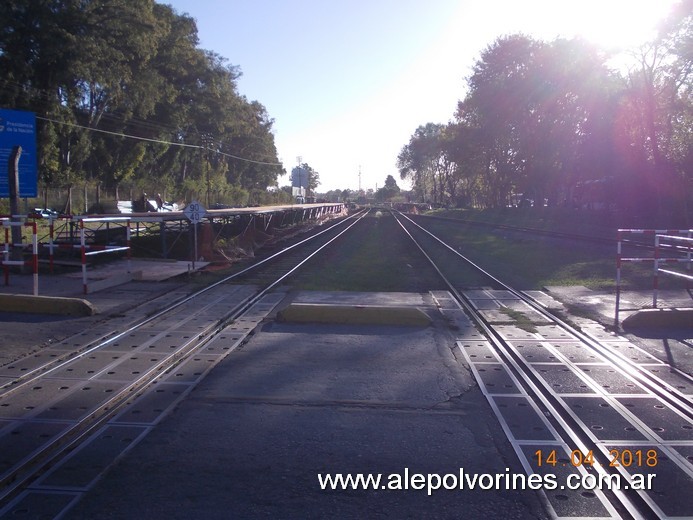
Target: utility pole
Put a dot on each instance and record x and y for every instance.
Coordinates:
(206, 142)
(301, 193)
(13, 187)
(359, 179)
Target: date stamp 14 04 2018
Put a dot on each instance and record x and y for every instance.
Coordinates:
(617, 458)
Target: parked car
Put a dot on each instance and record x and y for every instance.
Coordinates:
(46, 213)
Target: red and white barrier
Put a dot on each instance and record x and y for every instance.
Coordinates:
(661, 240)
(90, 250)
(669, 235)
(6, 252)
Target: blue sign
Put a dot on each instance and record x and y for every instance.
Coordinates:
(299, 177)
(18, 128)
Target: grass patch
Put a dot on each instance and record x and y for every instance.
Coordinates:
(375, 257)
(565, 220)
(520, 319)
(532, 262)
(546, 219)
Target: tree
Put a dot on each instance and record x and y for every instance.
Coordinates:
(535, 102)
(391, 183)
(427, 161)
(657, 115)
(96, 71)
(543, 119)
(388, 191)
(313, 178)
(470, 185)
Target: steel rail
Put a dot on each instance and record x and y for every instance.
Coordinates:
(52, 452)
(55, 364)
(568, 428)
(291, 271)
(661, 388)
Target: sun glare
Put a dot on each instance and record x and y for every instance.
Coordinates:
(616, 24)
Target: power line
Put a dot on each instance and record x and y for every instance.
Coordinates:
(184, 145)
(147, 124)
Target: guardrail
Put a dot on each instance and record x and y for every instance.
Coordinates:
(670, 241)
(91, 250)
(33, 263)
(669, 235)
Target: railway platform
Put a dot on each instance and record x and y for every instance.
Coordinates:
(29, 322)
(101, 278)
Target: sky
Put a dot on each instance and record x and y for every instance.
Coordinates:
(347, 82)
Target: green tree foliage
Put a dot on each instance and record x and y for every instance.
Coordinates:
(551, 121)
(389, 191)
(657, 115)
(533, 103)
(96, 70)
(427, 161)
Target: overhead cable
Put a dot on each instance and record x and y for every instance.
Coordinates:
(185, 145)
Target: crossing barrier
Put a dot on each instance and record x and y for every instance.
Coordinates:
(91, 250)
(665, 241)
(6, 253)
(671, 243)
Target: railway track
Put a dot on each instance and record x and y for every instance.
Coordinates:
(572, 401)
(100, 392)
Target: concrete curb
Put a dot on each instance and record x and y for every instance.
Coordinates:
(354, 315)
(46, 305)
(660, 318)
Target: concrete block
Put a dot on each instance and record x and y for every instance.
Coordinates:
(46, 305)
(660, 318)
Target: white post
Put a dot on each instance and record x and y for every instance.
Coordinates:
(84, 256)
(618, 277)
(655, 281)
(127, 242)
(34, 243)
(195, 246)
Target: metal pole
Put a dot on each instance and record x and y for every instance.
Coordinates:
(128, 242)
(13, 188)
(618, 278)
(688, 258)
(82, 243)
(207, 168)
(195, 247)
(655, 281)
(51, 234)
(34, 244)
(6, 254)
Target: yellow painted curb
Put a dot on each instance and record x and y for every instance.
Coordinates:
(46, 305)
(660, 318)
(354, 315)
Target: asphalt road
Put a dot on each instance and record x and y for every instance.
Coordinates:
(298, 401)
